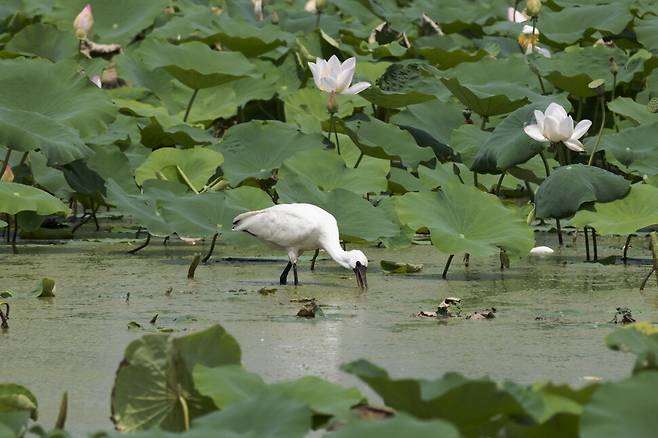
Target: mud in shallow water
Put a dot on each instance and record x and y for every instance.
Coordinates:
(75, 341)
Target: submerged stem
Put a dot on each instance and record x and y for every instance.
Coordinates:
(189, 104)
(447, 266)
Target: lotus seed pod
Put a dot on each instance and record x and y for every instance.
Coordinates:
(614, 68)
(533, 7)
(652, 106)
(332, 105)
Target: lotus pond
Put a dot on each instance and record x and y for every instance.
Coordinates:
(496, 161)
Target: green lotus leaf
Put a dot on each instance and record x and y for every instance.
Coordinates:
(462, 219)
(154, 378)
(627, 107)
(195, 64)
(640, 339)
(369, 225)
(467, 140)
(445, 59)
(401, 181)
(17, 406)
(634, 148)
(569, 187)
(155, 135)
(509, 145)
(565, 69)
(15, 198)
(45, 41)
(277, 417)
(82, 179)
(467, 404)
(198, 164)
(646, 32)
(117, 21)
(636, 210)
(573, 23)
(441, 175)
(49, 178)
(243, 37)
(624, 408)
(3, 224)
(328, 171)
(400, 425)
(383, 140)
(307, 107)
(113, 163)
(142, 208)
(255, 148)
(481, 101)
(436, 120)
(227, 384)
(404, 84)
(30, 120)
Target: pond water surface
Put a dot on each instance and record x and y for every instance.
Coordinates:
(75, 341)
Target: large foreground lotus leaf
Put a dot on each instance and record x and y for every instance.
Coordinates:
(482, 102)
(565, 69)
(255, 148)
(634, 148)
(116, 21)
(17, 406)
(462, 219)
(398, 426)
(198, 164)
(646, 32)
(384, 140)
(16, 197)
(358, 219)
(638, 209)
(466, 141)
(569, 187)
(153, 385)
(45, 41)
(269, 415)
(624, 408)
(328, 171)
(468, 404)
(142, 208)
(50, 106)
(195, 64)
(572, 23)
(509, 145)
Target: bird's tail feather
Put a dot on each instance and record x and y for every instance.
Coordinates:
(238, 221)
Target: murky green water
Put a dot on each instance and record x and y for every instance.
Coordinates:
(74, 342)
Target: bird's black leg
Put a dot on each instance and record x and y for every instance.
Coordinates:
(284, 275)
(294, 271)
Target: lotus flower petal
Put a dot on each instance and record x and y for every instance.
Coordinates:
(552, 128)
(574, 145)
(555, 110)
(539, 117)
(357, 88)
(581, 128)
(535, 132)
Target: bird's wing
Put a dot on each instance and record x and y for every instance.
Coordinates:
(283, 225)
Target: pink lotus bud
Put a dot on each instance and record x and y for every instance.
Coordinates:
(83, 22)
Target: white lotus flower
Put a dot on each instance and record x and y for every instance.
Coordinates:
(515, 16)
(96, 80)
(529, 38)
(555, 125)
(541, 250)
(83, 22)
(333, 77)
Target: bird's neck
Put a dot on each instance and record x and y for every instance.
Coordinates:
(336, 252)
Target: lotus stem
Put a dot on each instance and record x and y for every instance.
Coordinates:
(586, 244)
(559, 232)
(579, 111)
(13, 237)
(212, 248)
(654, 250)
(4, 317)
(500, 183)
(5, 163)
(334, 125)
(612, 97)
(475, 179)
(547, 168)
(598, 139)
(317, 20)
(483, 124)
(594, 247)
(531, 194)
(142, 246)
(193, 266)
(626, 246)
(189, 104)
(358, 161)
(186, 179)
(63, 410)
(447, 266)
(644, 282)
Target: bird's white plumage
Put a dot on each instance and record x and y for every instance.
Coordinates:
(293, 227)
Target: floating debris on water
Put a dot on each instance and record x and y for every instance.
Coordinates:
(484, 314)
(267, 290)
(308, 310)
(623, 316)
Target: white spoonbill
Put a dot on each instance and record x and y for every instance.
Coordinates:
(301, 227)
